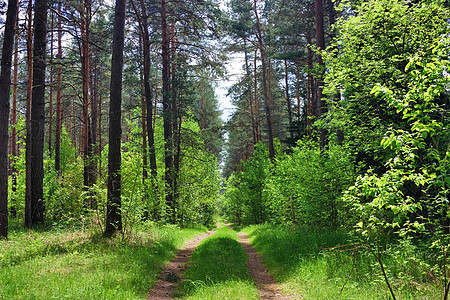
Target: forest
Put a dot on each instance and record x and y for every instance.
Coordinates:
(331, 172)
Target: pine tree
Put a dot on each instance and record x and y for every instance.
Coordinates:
(5, 83)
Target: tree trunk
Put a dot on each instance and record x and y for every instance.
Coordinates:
(266, 93)
(93, 129)
(113, 210)
(250, 95)
(288, 99)
(144, 132)
(58, 96)
(320, 43)
(28, 221)
(147, 88)
(99, 147)
(167, 112)
(297, 87)
(311, 103)
(5, 84)
(93, 133)
(85, 71)
(38, 112)
(331, 15)
(50, 110)
(143, 103)
(14, 124)
(255, 87)
(332, 20)
(176, 125)
(73, 131)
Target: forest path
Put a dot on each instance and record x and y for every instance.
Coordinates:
(172, 272)
(266, 284)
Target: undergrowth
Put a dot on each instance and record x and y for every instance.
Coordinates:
(77, 263)
(307, 265)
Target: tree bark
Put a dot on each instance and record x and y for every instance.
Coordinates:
(167, 112)
(332, 20)
(99, 147)
(50, 110)
(143, 103)
(113, 210)
(93, 132)
(14, 151)
(58, 95)
(73, 130)
(288, 99)
(147, 88)
(5, 84)
(144, 129)
(250, 95)
(310, 99)
(85, 71)
(176, 125)
(255, 87)
(38, 112)
(266, 94)
(93, 129)
(28, 221)
(297, 89)
(320, 43)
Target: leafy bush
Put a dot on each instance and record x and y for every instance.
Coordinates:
(244, 201)
(306, 185)
(302, 187)
(410, 199)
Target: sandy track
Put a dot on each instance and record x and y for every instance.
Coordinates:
(172, 273)
(267, 287)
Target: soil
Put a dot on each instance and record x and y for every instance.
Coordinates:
(267, 287)
(172, 273)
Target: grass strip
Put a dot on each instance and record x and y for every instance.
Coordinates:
(80, 264)
(299, 260)
(218, 270)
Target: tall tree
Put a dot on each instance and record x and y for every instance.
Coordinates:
(28, 221)
(167, 112)
(85, 22)
(38, 112)
(113, 213)
(50, 119)
(251, 100)
(265, 83)
(288, 99)
(320, 43)
(5, 84)
(143, 25)
(175, 85)
(310, 95)
(58, 94)
(13, 141)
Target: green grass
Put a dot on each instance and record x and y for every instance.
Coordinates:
(218, 270)
(80, 264)
(300, 262)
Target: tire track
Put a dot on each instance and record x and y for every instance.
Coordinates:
(267, 287)
(172, 272)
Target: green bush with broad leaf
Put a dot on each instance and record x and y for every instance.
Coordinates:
(306, 185)
(410, 199)
(244, 196)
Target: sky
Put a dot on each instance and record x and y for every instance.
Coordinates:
(235, 70)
